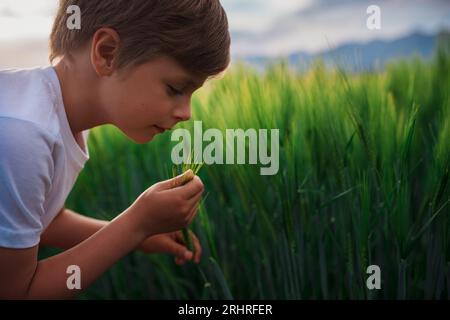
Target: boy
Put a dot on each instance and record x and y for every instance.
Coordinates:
(133, 64)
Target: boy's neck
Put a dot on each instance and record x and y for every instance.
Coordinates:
(78, 93)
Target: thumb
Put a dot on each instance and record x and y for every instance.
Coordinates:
(177, 181)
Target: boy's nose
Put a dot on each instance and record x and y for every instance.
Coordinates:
(183, 112)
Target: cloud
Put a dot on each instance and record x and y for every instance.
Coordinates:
(24, 19)
(6, 12)
(329, 22)
(259, 27)
(258, 15)
(22, 8)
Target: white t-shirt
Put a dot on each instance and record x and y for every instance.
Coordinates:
(40, 159)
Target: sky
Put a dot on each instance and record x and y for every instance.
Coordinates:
(315, 25)
(258, 27)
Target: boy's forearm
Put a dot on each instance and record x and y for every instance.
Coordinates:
(69, 229)
(93, 256)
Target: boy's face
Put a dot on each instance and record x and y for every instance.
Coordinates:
(146, 99)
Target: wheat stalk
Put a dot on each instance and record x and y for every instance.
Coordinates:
(189, 171)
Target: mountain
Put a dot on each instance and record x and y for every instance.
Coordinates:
(368, 56)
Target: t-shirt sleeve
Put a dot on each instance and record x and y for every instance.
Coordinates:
(26, 171)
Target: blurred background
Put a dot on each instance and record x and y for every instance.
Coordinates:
(364, 120)
(300, 30)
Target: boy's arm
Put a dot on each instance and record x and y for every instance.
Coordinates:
(22, 276)
(160, 209)
(69, 229)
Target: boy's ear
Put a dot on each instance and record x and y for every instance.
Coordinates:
(104, 49)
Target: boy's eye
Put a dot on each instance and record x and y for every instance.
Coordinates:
(173, 91)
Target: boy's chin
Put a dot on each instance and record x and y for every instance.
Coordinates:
(142, 138)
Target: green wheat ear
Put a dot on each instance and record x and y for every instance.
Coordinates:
(185, 167)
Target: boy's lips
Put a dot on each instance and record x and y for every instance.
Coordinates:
(161, 130)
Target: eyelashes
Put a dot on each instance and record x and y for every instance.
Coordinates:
(173, 91)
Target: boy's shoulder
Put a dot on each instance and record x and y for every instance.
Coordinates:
(30, 96)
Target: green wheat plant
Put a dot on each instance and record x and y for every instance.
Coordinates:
(364, 175)
(189, 169)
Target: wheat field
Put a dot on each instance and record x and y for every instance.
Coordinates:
(363, 180)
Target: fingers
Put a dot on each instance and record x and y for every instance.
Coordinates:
(195, 200)
(190, 189)
(186, 177)
(176, 181)
(180, 259)
(193, 213)
(197, 246)
(182, 254)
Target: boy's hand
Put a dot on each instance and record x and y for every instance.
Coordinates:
(166, 206)
(173, 243)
